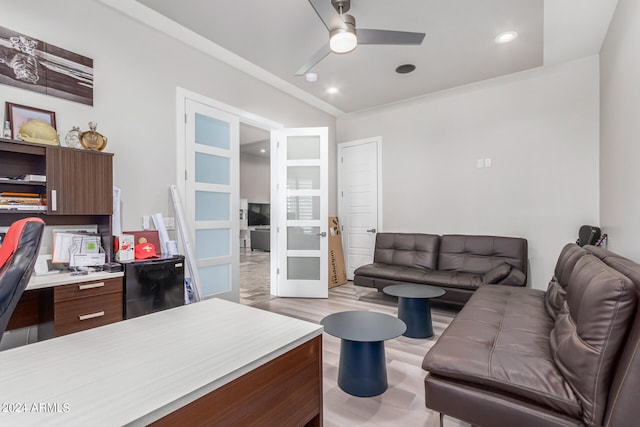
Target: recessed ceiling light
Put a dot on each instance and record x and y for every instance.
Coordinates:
(262, 150)
(311, 77)
(405, 69)
(332, 90)
(506, 37)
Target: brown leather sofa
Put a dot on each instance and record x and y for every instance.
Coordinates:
(569, 356)
(459, 264)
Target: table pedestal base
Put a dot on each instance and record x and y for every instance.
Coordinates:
(416, 314)
(362, 371)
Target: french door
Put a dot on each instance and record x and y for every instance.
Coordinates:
(212, 196)
(301, 194)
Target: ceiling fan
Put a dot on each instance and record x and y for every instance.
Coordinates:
(344, 36)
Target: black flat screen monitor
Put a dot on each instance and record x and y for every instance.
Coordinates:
(259, 214)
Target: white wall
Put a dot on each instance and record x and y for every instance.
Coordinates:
(539, 127)
(136, 72)
(620, 131)
(255, 173)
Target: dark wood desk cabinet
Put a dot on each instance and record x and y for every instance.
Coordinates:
(79, 182)
(78, 187)
(86, 305)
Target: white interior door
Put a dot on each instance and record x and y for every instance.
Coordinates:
(359, 202)
(212, 196)
(302, 219)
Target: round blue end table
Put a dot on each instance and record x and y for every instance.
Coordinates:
(362, 370)
(414, 307)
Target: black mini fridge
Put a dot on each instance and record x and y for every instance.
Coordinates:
(153, 285)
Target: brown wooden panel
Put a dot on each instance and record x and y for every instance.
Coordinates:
(67, 313)
(11, 145)
(284, 392)
(82, 179)
(26, 312)
(87, 289)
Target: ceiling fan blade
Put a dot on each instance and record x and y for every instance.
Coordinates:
(328, 14)
(317, 57)
(369, 36)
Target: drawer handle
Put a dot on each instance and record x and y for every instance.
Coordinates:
(91, 316)
(91, 286)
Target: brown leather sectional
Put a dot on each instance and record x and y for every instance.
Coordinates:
(569, 356)
(460, 264)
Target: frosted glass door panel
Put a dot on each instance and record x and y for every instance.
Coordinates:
(303, 268)
(211, 206)
(215, 279)
(303, 177)
(303, 238)
(213, 243)
(212, 132)
(303, 147)
(212, 169)
(212, 178)
(303, 208)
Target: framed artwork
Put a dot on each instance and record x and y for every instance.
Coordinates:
(36, 65)
(20, 114)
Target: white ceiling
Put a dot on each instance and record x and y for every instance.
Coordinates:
(280, 35)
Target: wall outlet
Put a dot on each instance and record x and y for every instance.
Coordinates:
(170, 223)
(480, 163)
(487, 163)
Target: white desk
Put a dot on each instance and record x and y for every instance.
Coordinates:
(52, 280)
(139, 370)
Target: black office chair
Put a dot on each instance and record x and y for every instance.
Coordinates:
(18, 255)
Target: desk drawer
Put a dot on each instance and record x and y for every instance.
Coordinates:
(87, 289)
(86, 313)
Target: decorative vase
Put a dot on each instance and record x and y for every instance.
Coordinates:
(91, 139)
(72, 139)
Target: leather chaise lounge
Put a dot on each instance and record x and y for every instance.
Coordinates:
(460, 264)
(569, 356)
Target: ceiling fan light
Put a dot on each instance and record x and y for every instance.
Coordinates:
(343, 40)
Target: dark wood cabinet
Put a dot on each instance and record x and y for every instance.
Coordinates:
(78, 187)
(86, 305)
(79, 182)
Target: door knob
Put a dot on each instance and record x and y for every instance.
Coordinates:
(323, 234)
(373, 230)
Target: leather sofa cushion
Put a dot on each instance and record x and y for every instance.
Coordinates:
(497, 273)
(454, 279)
(590, 330)
(408, 249)
(393, 272)
(479, 254)
(623, 396)
(500, 340)
(556, 291)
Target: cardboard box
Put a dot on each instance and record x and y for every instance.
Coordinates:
(337, 270)
(124, 244)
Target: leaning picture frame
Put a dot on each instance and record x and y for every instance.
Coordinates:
(20, 114)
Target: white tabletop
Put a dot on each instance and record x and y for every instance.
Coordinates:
(138, 370)
(59, 279)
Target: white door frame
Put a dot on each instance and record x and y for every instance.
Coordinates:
(244, 117)
(377, 140)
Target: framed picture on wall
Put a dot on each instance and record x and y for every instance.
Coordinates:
(20, 114)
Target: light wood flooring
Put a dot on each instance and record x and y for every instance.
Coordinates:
(403, 402)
